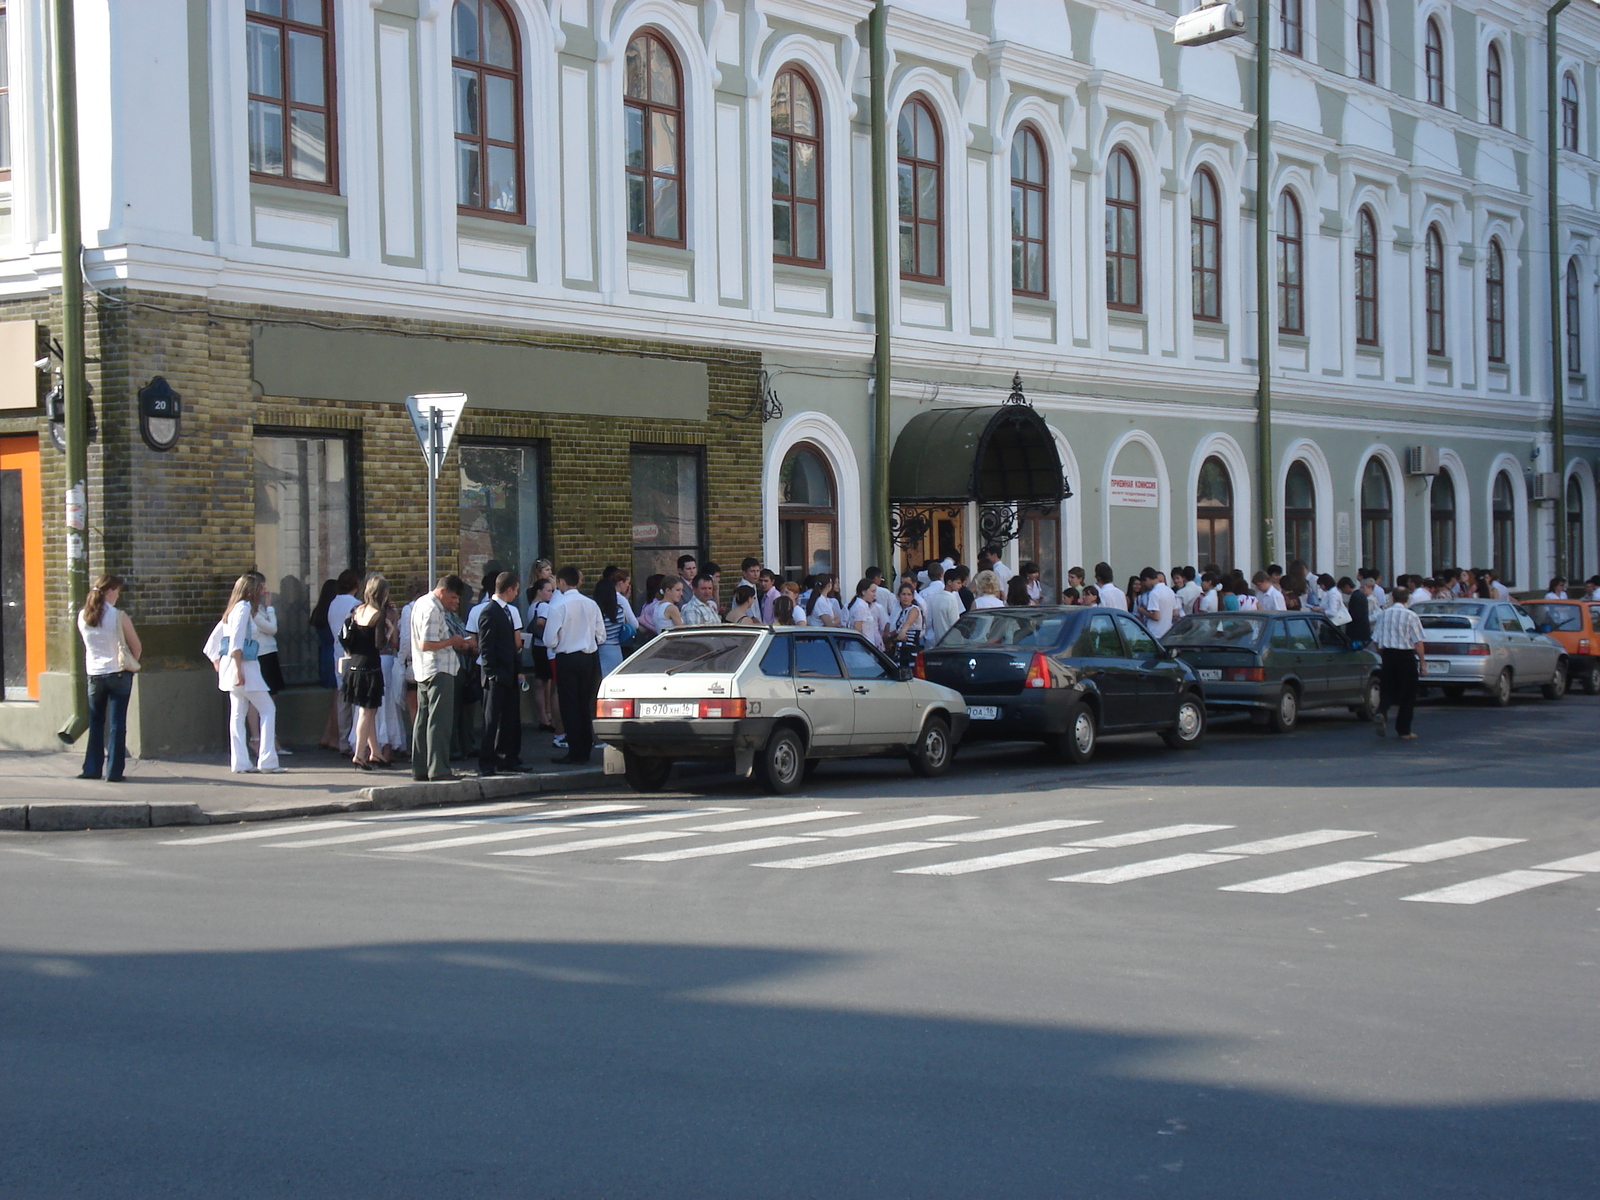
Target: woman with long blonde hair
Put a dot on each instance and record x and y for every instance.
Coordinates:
(365, 635)
(105, 631)
(239, 675)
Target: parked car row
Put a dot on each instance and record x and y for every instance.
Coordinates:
(775, 701)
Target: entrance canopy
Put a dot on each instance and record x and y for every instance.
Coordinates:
(1000, 454)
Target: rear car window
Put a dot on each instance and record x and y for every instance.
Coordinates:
(1434, 621)
(775, 662)
(989, 628)
(1445, 607)
(711, 653)
(1556, 618)
(1215, 630)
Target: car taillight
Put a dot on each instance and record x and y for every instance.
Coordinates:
(614, 709)
(1245, 674)
(919, 668)
(1038, 675)
(1583, 645)
(722, 708)
(1479, 649)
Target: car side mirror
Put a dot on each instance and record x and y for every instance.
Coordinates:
(1170, 651)
(907, 674)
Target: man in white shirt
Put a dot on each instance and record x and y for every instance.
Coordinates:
(434, 662)
(1111, 596)
(989, 560)
(477, 613)
(1160, 602)
(1210, 594)
(1190, 591)
(574, 630)
(701, 608)
(1268, 598)
(943, 610)
(933, 587)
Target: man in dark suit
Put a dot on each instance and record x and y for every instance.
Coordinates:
(500, 644)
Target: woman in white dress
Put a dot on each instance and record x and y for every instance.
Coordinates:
(239, 677)
(824, 607)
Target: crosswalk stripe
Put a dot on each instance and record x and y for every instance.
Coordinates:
(368, 835)
(1438, 851)
(1294, 841)
(1492, 887)
(991, 862)
(277, 830)
(1152, 866)
(480, 839)
(749, 844)
(601, 843)
(1583, 862)
(1006, 831)
(889, 826)
(1140, 836)
(434, 812)
(652, 818)
(1299, 881)
(764, 822)
(843, 856)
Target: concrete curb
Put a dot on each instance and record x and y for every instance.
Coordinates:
(63, 815)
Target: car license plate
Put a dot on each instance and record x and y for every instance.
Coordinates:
(1437, 668)
(658, 709)
(983, 712)
(1210, 674)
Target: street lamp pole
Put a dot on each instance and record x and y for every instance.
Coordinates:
(1558, 363)
(1264, 305)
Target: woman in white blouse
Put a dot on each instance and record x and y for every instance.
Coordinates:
(986, 587)
(824, 607)
(864, 614)
(104, 631)
(239, 675)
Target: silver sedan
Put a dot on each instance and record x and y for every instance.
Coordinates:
(1490, 646)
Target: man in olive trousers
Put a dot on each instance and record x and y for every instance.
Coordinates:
(435, 663)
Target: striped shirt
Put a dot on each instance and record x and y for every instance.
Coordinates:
(1397, 628)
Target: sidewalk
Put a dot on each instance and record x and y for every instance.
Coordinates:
(39, 790)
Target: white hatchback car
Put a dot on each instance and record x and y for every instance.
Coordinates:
(770, 699)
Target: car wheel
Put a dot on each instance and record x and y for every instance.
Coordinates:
(1370, 700)
(1500, 692)
(1077, 744)
(781, 764)
(1286, 712)
(1590, 679)
(645, 774)
(1190, 726)
(1557, 687)
(932, 754)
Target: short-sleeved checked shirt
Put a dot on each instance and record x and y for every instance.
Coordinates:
(430, 623)
(1397, 628)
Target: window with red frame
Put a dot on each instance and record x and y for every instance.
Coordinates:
(653, 134)
(796, 170)
(487, 82)
(291, 115)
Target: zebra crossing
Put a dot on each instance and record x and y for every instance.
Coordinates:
(809, 839)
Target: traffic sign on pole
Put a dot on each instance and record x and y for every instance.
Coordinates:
(448, 405)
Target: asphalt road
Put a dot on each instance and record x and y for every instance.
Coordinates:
(1318, 966)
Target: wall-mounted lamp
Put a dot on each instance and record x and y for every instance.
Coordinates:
(160, 412)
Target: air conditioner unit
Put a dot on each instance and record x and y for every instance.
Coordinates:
(1544, 487)
(1209, 23)
(1422, 460)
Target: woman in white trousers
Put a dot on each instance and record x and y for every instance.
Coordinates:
(239, 675)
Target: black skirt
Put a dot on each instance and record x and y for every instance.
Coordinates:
(271, 672)
(363, 686)
(541, 664)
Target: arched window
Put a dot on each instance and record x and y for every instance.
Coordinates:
(653, 115)
(1574, 317)
(1291, 267)
(1442, 521)
(488, 109)
(1030, 205)
(1299, 514)
(1122, 232)
(921, 151)
(1433, 61)
(1205, 246)
(1495, 306)
(1503, 529)
(1576, 567)
(1433, 290)
(796, 170)
(1294, 27)
(1377, 519)
(1569, 111)
(1213, 514)
(1366, 42)
(1495, 86)
(291, 117)
(808, 514)
(1366, 278)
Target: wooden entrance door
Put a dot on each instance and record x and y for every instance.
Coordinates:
(22, 634)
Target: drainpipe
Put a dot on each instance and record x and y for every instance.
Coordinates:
(1265, 307)
(882, 241)
(1558, 351)
(72, 376)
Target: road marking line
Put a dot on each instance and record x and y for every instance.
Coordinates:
(562, 814)
(651, 818)
(844, 856)
(764, 822)
(1583, 862)
(1140, 836)
(620, 839)
(1006, 831)
(1152, 866)
(509, 835)
(277, 830)
(369, 835)
(1299, 881)
(991, 862)
(762, 843)
(889, 826)
(1294, 841)
(1492, 887)
(433, 812)
(1437, 851)
(478, 839)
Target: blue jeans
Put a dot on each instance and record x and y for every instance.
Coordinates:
(108, 721)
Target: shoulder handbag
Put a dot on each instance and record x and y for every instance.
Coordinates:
(125, 659)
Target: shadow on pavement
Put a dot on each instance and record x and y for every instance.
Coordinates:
(578, 1070)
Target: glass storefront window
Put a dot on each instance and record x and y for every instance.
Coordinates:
(303, 533)
(667, 509)
(501, 509)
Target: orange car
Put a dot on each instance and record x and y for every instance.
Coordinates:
(1576, 625)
